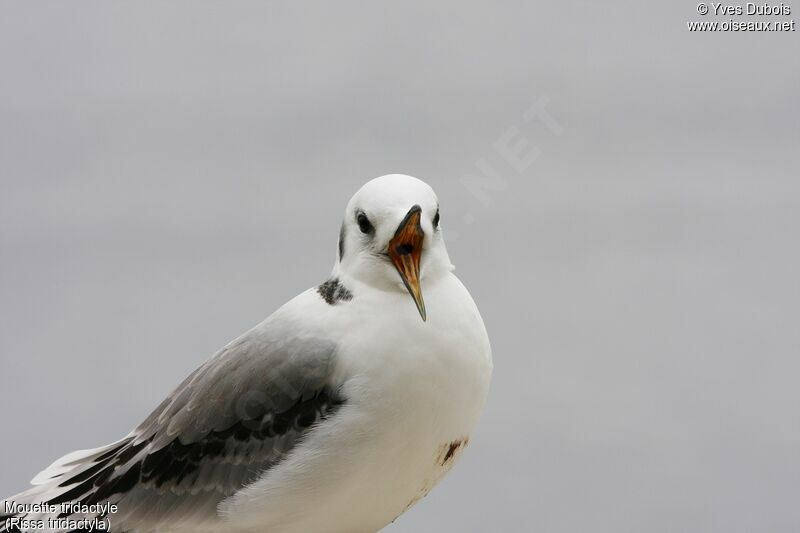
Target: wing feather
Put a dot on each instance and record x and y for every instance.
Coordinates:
(232, 419)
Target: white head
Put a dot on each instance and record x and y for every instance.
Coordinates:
(391, 238)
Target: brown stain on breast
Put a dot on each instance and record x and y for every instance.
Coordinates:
(449, 450)
(446, 456)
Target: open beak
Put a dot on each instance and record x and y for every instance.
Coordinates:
(405, 251)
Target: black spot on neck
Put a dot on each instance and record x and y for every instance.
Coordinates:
(332, 292)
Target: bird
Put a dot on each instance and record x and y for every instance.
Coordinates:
(336, 414)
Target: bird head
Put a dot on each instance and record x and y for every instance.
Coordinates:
(391, 237)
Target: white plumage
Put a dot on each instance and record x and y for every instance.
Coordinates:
(335, 414)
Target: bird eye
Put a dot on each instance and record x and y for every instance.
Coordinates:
(436, 220)
(364, 223)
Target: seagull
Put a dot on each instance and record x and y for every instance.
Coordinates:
(336, 414)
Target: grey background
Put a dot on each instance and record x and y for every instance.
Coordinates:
(173, 172)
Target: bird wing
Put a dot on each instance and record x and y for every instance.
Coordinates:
(230, 421)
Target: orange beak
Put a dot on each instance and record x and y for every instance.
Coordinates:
(405, 251)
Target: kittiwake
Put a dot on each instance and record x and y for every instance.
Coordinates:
(334, 415)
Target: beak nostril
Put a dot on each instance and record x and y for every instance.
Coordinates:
(404, 249)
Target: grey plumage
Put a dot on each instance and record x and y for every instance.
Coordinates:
(233, 418)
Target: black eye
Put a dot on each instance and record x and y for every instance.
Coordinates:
(363, 223)
(436, 220)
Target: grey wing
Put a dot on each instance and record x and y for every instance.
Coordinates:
(231, 420)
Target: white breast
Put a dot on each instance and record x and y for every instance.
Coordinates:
(414, 391)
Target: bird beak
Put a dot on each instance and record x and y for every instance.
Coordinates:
(405, 251)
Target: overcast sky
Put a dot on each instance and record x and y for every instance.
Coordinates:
(620, 196)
